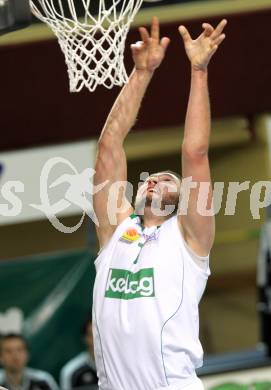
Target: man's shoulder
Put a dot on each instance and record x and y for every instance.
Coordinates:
(36, 373)
(78, 371)
(41, 376)
(76, 362)
(125, 226)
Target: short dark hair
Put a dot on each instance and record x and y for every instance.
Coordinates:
(11, 336)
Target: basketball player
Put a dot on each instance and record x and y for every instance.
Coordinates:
(153, 266)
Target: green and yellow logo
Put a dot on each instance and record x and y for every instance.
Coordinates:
(130, 235)
(123, 284)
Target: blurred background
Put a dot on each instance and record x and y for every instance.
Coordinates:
(46, 276)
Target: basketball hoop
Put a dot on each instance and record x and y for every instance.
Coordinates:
(93, 44)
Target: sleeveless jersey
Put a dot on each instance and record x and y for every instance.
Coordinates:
(145, 308)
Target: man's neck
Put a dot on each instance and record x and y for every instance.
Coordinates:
(15, 378)
(150, 219)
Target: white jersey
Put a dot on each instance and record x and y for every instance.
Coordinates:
(145, 311)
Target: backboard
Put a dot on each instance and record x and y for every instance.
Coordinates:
(14, 15)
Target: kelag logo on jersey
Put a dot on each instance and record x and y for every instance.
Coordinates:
(123, 284)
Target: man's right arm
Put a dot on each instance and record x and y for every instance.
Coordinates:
(111, 165)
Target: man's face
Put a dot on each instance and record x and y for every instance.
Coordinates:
(13, 354)
(158, 191)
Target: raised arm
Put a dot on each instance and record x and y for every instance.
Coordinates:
(111, 165)
(198, 229)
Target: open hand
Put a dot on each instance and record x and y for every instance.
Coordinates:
(201, 50)
(150, 51)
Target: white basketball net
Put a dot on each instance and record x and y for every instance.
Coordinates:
(93, 45)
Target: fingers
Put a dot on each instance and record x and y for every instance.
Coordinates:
(164, 43)
(185, 34)
(153, 39)
(208, 29)
(220, 39)
(155, 29)
(220, 27)
(137, 45)
(154, 36)
(215, 35)
(144, 34)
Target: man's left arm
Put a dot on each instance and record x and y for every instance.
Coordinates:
(199, 229)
